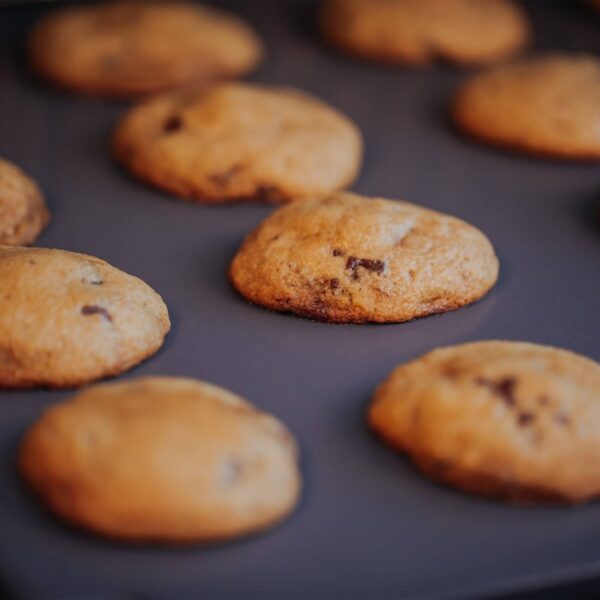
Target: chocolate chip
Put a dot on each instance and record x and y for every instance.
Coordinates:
(173, 124)
(353, 263)
(334, 283)
(269, 193)
(222, 179)
(338, 252)
(525, 418)
(92, 309)
(505, 388)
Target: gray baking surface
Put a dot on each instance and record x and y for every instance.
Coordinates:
(369, 525)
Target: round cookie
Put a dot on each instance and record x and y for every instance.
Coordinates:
(239, 142)
(346, 258)
(511, 420)
(418, 32)
(162, 459)
(125, 49)
(548, 106)
(67, 318)
(23, 212)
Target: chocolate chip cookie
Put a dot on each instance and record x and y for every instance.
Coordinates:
(548, 106)
(67, 319)
(23, 211)
(125, 49)
(234, 142)
(346, 258)
(511, 420)
(418, 32)
(162, 459)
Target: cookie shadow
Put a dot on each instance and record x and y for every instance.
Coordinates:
(586, 212)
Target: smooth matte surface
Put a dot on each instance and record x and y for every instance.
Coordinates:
(368, 525)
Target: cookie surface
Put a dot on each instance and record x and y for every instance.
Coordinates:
(124, 49)
(23, 212)
(512, 420)
(162, 459)
(419, 32)
(239, 142)
(548, 106)
(67, 318)
(347, 258)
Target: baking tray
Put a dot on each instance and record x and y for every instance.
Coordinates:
(368, 525)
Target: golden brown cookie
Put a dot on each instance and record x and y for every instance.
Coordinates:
(346, 258)
(124, 49)
(239, 142)
(67, 319)
(23, 212)
(512, 420)
(548, 106)
(418, 32)
(162, 459)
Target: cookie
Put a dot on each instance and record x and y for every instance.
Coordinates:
(548, 106)
(163, 459)
(239, 142)
(346, 258)
(23, 212)
(511, 420)
(127, 49)
(419, 32)
(67, 319)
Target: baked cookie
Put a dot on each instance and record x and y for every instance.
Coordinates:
(547, 106)
(239, 142)
(125, 49)
(162, 459)
(511, 420)
(23, 212)
(346, 258)
(67, 318)
(419, 32)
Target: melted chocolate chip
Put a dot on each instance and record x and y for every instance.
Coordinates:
(354, 263)
(505, 388)
(334, 283)
(222, 179)
(525, 418)
(269, 193)
(338, 252)
(173, 124)
(92, 309)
